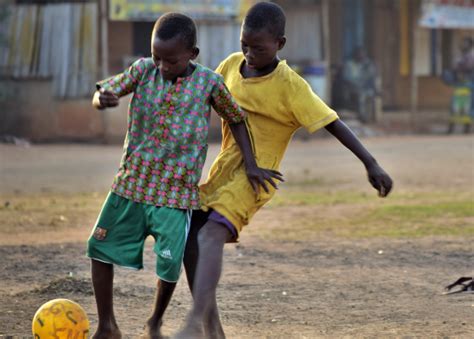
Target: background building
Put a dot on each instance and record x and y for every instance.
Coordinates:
(53, 51)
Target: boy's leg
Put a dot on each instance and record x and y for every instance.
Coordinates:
(191, 253)
(164, 293)
(169, 227)
(102, 280)
(212, 323)
(117, 238)
(211, 240)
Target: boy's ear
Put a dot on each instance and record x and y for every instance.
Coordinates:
(195, 53)
(281, 42)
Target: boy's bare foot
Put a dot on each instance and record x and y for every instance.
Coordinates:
(216, 333)
(110, 333)
(193, 329)
(152, 331)
(214, 329)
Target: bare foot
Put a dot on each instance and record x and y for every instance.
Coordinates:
(214, 329)
(109, 333)
(153, 331)
(216, 333)
(193, 329)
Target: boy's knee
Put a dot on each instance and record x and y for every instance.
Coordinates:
(213, 233)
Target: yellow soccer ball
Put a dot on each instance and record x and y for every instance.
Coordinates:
(60, 318)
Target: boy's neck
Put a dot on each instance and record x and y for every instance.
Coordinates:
(255, 73)
(189, 70)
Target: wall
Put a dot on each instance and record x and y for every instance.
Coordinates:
(120, 44)
(433, 94)
(28, 110)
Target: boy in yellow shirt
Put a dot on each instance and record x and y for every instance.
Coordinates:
(278, 102)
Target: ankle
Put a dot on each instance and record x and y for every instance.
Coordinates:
(152, 329)
(195, 321)
(154, 323)
(192, 329)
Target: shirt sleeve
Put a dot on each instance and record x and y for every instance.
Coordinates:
(125, 82)
(220, 68)
(309, 110)
(224, 104)
(223, 66)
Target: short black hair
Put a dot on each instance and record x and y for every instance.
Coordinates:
(266, 15)
(171, 25)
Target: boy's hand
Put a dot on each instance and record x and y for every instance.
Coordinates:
(103, 99)
(257, 177)
(379, 179)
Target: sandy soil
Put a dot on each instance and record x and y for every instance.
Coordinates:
(318, 286)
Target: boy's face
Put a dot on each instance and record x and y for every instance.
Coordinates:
(171, 56)
(260, 48)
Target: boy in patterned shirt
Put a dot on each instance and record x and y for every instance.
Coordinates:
(278, 102)
(156, 186)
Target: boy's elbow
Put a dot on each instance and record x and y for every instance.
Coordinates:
(332, 125)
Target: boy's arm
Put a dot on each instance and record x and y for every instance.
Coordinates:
(378, 178)
(110, 90)
(103, 99)
(256, 175)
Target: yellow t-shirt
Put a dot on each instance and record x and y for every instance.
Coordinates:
(277, 105)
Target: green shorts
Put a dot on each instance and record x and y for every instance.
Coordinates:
(119, 234)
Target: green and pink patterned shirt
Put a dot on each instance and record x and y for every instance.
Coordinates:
(166, 142)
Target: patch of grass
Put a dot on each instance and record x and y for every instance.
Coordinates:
(295, 214)
(307, 196)
(459, 208)
(302, 198)
(302, 183)
(47, 211)
(360, 215)
(450, 218)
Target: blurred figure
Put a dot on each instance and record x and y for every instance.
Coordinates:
(465, 63)
(461, 78)
(359, 85)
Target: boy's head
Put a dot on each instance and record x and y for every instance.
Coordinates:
(173, 44)
(263, 34)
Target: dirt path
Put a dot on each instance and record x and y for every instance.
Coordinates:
(416, 163)
(315, 285)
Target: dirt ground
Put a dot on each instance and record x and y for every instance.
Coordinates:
(289, 277)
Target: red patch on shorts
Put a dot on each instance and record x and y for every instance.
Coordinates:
(99, 233)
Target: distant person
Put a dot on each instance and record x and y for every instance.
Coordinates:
(156, 186)
(465, 62)
(461, 78)
(278, 102)
(359, 84)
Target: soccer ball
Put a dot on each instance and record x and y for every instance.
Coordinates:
(60, 318)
